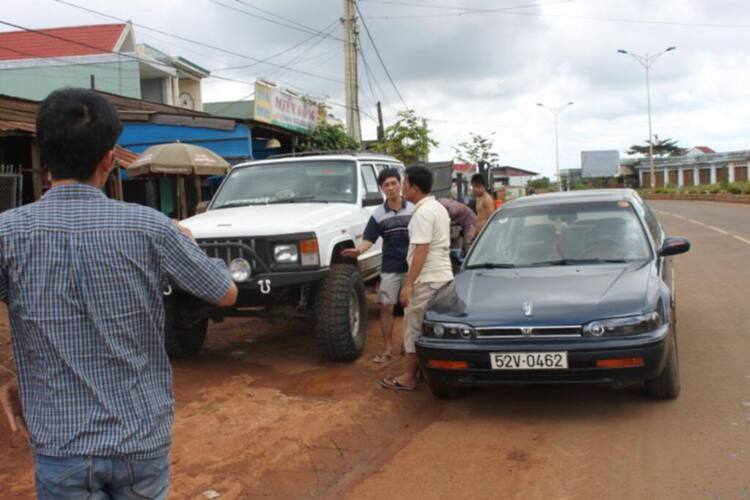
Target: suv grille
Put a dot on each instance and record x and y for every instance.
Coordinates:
(531, 331)
(230, 253)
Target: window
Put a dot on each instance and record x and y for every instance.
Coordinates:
(704, 176)
(740, 174)
(687, 178)
(673, 179)
(370, 179)
(659, 179)
(722, 174)
(646, 179)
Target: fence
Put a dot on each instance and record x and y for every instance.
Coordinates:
(11, 187)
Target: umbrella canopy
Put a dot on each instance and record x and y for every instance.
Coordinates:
(178, 158)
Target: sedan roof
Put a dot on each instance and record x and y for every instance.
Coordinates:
(585, 196)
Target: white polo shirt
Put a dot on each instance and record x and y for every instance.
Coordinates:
(431, 224)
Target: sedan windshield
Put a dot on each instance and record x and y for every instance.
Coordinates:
(314, 181)
(556, 235)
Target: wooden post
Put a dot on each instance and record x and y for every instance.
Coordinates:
(181, 198)
(36, 171)
(151, 194)
(198, 189)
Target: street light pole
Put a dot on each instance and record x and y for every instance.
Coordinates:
(556, 113)
(647, 61)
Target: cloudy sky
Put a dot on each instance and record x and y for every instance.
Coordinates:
(474, 65)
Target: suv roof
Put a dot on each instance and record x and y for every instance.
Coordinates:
(589, 195)
(351, 153)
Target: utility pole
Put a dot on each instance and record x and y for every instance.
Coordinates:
(556, 112)
(351, 85)
(381, 127)
(647, 61)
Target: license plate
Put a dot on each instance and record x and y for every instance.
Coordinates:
(529, 360)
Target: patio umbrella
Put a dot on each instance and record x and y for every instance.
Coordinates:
(178, 158)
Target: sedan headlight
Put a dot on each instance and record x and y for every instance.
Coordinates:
(448, 331)
(631, 325)
(285, 254)
(240, 270)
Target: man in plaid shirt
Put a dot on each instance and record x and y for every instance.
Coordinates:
(83, 276)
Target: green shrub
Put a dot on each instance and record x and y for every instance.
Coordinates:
(734, 188)
(714, 189)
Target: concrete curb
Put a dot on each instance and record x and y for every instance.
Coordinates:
(720, 197)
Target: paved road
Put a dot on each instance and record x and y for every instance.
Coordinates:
(259, 416)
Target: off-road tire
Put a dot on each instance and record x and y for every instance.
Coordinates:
(331, 314)
(667, 384)
(444, 391)
(184, 333)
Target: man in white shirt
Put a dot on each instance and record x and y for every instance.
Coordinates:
(430, 268)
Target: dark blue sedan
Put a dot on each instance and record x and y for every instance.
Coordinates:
(560, 288)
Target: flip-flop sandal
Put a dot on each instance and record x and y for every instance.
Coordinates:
(382, 358)
(394, 385)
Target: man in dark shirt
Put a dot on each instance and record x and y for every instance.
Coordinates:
(389, 221)
(83, 277)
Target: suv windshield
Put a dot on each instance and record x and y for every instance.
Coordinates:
(291, 182)
(585, 233)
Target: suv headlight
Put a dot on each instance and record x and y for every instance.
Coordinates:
(448, 331)
(240, 270)
(285, 254)
(631, 325)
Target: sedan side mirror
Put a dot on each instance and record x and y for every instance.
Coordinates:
(372, 200)
(674, 246)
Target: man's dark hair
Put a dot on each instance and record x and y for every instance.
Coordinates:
(387, 174)
(478, 180)
(420, 177)
(75, 128)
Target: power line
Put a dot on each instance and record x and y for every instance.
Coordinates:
(377, 52)
(509, 12)
(195, 42)
(304, 29)
(278, 54)
(296, 59)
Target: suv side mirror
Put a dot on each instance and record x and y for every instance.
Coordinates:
(201, 207)
(372, 200)
(674, 246)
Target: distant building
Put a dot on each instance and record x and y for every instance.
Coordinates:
(105, 56)
(511, 176)
(696, 168)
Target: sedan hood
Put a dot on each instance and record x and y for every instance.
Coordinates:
(559, 295)
(267, 220)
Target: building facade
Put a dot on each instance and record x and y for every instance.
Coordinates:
(696, 169)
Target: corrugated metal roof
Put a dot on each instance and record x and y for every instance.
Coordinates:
(83, 40)
(11, 126)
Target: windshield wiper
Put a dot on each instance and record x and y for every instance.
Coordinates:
(240, 203)
(298, 199)
(491, 265)
(572, 262)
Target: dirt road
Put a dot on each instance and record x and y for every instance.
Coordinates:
(259, 416)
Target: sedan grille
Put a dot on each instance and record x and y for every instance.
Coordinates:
(530, 331)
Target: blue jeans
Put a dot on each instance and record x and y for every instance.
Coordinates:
(101, 478)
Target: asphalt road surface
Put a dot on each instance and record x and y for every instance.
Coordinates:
(259, 416)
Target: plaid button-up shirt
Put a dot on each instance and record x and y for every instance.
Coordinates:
(83, 277)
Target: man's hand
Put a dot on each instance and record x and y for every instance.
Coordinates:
(11, 403)
(404, 296)
(183, 229)
(350, 253)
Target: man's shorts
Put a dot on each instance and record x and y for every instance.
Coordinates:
(390, 287)
(423, 295)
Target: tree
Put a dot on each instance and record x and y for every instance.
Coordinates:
(664, 147)
(479, 149)
(408, 139)
(329, 137)
(542, 183)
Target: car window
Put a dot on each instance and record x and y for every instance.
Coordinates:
(584, 233)
(370, 179)
(653, 225)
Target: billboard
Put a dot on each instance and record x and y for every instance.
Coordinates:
(600, 163)
(284, 109)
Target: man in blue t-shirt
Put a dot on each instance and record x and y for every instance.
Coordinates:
(389, 221)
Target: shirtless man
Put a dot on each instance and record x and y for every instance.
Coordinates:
(485, 203)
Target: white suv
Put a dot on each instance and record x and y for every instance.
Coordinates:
(280, 225)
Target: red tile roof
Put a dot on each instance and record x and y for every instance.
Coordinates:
(14, 126)
(60, 42)
(124, 157)
(705, 149)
